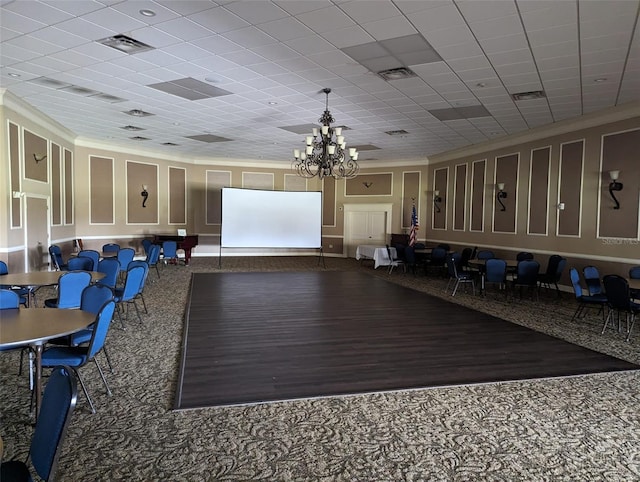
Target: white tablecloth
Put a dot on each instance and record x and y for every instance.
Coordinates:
(377, 253)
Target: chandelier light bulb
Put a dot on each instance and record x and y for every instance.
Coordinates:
(309, 140)
(332, 149)
(338, 131)
(315, 132)
(296, 153)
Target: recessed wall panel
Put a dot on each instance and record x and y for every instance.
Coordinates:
(177, 195)
(477, 195)
(440, 180)
(329, 193)
(620, 152)
(460, 197)
(101, 192)
(505, 208)
(571, 161)
(216, 180)
(258, 180)
(56, 185)
(379, 184)
(68, 187)
(539, 191)
(36, 160)
(410, 196)
(293, 182)
(14, 165)
(138, 175)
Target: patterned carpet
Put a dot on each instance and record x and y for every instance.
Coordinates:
(578, 428)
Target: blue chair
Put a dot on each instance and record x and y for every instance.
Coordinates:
(70, 286)
(437, 260)
(527, 276)
(410, 258)
(523, 255)
(111, 268)
(145, 265)
(619, 301)
(125, 256)
(170, 252)
(56, 258)
(23, 293)
(456, 276)
(585, 300)
(593, 280)
(110, 248)
(146, 245)
(76, 357)
(394, 260)
(547, 279)
(495, 273)
(128, 293)
(485, 254)
(58, 402)
(80, 263)
(154, 257)
(9, 299)
(94, 255)
(634, 273)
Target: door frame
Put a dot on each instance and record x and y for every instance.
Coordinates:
(25, 217)
(371, 207)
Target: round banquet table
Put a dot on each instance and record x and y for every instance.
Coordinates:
(37, 279)
(34, 326)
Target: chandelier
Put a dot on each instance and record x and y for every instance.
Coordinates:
(326, 153)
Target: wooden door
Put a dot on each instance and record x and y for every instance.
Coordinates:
(37, 233)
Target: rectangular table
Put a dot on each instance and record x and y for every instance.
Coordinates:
(378, 254)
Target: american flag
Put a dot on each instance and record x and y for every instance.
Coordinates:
(414, 226)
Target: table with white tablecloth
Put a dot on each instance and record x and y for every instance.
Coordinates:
(378, 254)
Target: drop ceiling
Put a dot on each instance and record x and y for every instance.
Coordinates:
(239, 79)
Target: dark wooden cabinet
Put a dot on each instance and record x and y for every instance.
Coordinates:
(399, 239)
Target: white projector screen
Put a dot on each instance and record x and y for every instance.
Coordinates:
(271, 219)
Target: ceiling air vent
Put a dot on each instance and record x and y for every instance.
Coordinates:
(139, 138)
(138, 113)
(170, 144)
(535, 94)
(397, 74)
(400, 132)
(125, 44)
(132, 128)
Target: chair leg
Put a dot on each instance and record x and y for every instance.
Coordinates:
(84, 389)
(629, 328)
(118, 308)
(104, 380)
(106, 355)
(135, 305)
(606, 322)
(144, 304)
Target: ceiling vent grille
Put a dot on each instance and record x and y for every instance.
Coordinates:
(138, 113)
(132, 128)
(397, 74)
(139, 138)
(399, 132)
(125, 44)
(535, 94)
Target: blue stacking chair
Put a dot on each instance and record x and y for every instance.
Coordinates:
(110, 248)
(111, 268)
(495, 273)
(619, 302)
(127, 294)
(70, 286)
(80, 263)
(94, 255)
(125, 256)
(592, 278)
(153, 258)
(634, 273)
(527, 276)
(9, 299)
(76, 357)
(585, 300)
(23, 293)
(58, 403)
(170, 252)
(146, 245)
(145, 265)
(456, 275)
(56, 258)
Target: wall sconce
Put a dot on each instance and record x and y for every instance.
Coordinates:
(144, 195)
(39, 158)
(500, 195)
(437, 200)
(614, 185)
(367, 184)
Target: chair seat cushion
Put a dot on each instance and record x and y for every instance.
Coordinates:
(14, 471)
(73, 356)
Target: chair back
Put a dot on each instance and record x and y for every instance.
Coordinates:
(93, 254)
(111, 248)
(110, 267)
(146, 244)
(559, 269)
(419, 246)
(495, 270)
(135, 277)
(523, 255)
(575, 282)
(94, 297)
(634, 273)
(154, 255)
(465, 257)
(527, 272)
(56, 257)
(592, 278)
(58, 402)
(169, 249)
(3, 268)
(80, 263)
(101, 328)
(451, 266)
(617, 290)
(444, 246)
(552, 264)
(125, 256)
(145, 265)
(485, 254)
(9, 299)
(410, 255)
(70, 286)
(438, 256)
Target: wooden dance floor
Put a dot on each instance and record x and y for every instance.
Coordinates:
(254, 337)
